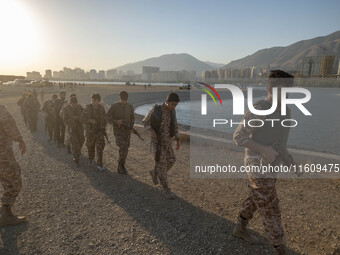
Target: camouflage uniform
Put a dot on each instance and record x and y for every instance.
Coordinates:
(162, 148)
(262, 195)
(125, 112)
(50, 118)
(22, 108)
(74, 128)
(60, 126)
(95, 132)
(10, 172)
(32, 107)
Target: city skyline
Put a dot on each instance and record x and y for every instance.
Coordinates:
(103, 35)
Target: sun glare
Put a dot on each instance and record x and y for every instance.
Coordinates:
(19, 41)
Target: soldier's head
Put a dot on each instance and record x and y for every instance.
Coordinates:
(73, 102)
(95, 99)
(123, 96)
(62, 95)
(278, 79)
(172, 101)
(54, 97)
(73, 95)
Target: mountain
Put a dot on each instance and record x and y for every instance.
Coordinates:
(290, 57)
(215, 65)
(169, 62)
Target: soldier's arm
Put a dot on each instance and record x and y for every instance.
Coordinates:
(85, 115)
(244, 132)
(147, 118)
(109, 114)
(8, 125)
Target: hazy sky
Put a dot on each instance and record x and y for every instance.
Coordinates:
(103, 34)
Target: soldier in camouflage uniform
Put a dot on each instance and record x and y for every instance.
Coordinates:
(10, 172)
(68, 145)
(60, 126)
(257, 142)
(50, 117)
(22, 108)
(94, 118)
(32, 107)
(121, 115)
(162, 123)
(72, 117)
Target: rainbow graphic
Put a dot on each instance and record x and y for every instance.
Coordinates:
(209, 93)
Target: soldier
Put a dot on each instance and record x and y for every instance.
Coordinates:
(121, 116)
(257, 142)
(162, 122)
(72, 117)
(60, 126)
(10, 172)
(32, 107)
(68, 145)
(50, 116)
(94, 118)
(22, 108)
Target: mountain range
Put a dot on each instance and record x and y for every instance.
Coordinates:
(288, 58)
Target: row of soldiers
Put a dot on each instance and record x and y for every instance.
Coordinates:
(162, 123)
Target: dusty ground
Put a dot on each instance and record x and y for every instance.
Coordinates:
(84, 211)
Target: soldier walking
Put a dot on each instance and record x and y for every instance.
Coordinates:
(60, 126)
(22, 108)
(162, 122)
(32, 107)
(94, 118)
(72, 117)
(50, 117)
(258, 146)
(10, 171)
(121, 116)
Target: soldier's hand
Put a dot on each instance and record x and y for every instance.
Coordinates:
(22, 146)
(177, 146)
(119, 122)
(269, 154)
(92, 121)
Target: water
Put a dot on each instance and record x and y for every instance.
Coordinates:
(319, 132)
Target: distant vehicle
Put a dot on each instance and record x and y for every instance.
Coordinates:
(9, 83)
(185, 87)
(40, 84)
(21, 82)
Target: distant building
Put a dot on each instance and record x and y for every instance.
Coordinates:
(33, 75)
(206, 75)
(338, 68)
(111, 74)
(147, 71)
(220, 74)
(48, 74)
(317, 66)
(93, 74)
(101, 75)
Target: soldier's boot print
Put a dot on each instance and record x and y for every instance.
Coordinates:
(154, 177)
(167, 192)
(280, 250)
(7, 217)
(241, 231)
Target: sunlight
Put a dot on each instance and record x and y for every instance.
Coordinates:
(19, 34)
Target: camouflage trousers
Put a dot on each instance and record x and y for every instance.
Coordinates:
(263, 197)
(32, 120)
(76, 140)
(10, 177)
(123, 136)
(166, 161)
(95, 142)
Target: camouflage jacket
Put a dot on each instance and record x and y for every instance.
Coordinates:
(8, 129)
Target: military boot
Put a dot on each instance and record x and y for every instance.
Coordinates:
(154, 177)
(167, 193)
(7, 217)
(121, 169)
(241, 231)
(280, 250)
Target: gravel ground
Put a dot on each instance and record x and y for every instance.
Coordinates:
(83, 211)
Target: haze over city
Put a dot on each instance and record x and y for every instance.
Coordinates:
(39, 35)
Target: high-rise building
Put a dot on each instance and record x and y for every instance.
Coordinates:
(111, 74)
(34, 75)
(93, 74)
(48, 74)
(147, 71)
(220, 74)
(327, 63)
(206, 75)
(101, 75)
